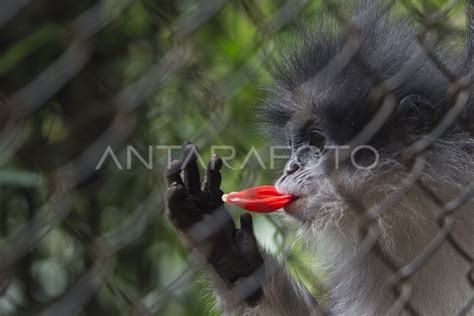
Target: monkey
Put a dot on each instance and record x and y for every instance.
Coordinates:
(373, 85)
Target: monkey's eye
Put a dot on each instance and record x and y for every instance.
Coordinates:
(316, 139)
(307, 135)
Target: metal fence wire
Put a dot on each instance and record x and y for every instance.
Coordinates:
(79, 79)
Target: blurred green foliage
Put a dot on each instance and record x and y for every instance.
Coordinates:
(210, 101)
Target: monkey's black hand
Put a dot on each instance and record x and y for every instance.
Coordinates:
(200, 215)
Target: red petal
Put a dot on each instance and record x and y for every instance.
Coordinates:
(261, 199)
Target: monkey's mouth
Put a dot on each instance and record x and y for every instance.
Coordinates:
(297, 203)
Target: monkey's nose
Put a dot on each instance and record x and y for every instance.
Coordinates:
(292, 166)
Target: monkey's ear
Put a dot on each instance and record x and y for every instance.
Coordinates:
(416, 113)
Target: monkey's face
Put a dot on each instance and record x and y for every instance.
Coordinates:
(333, 182)
(324, 171)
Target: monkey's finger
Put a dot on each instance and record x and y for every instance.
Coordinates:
(252, 264)
(246, 223)
(213, 177)
(173, 172)
(182, 211)
(248, 249)
(191, 170)
(247, 243)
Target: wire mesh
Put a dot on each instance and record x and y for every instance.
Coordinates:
(87, 231)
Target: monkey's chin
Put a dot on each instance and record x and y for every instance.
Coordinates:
(295, 208)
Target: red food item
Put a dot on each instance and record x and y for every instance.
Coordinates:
(260, 199)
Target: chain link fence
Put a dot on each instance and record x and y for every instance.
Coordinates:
(82, 79)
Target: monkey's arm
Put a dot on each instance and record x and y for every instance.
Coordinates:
(281, 294)
(244, 278)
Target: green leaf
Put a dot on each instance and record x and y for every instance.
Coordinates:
(22, 49)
